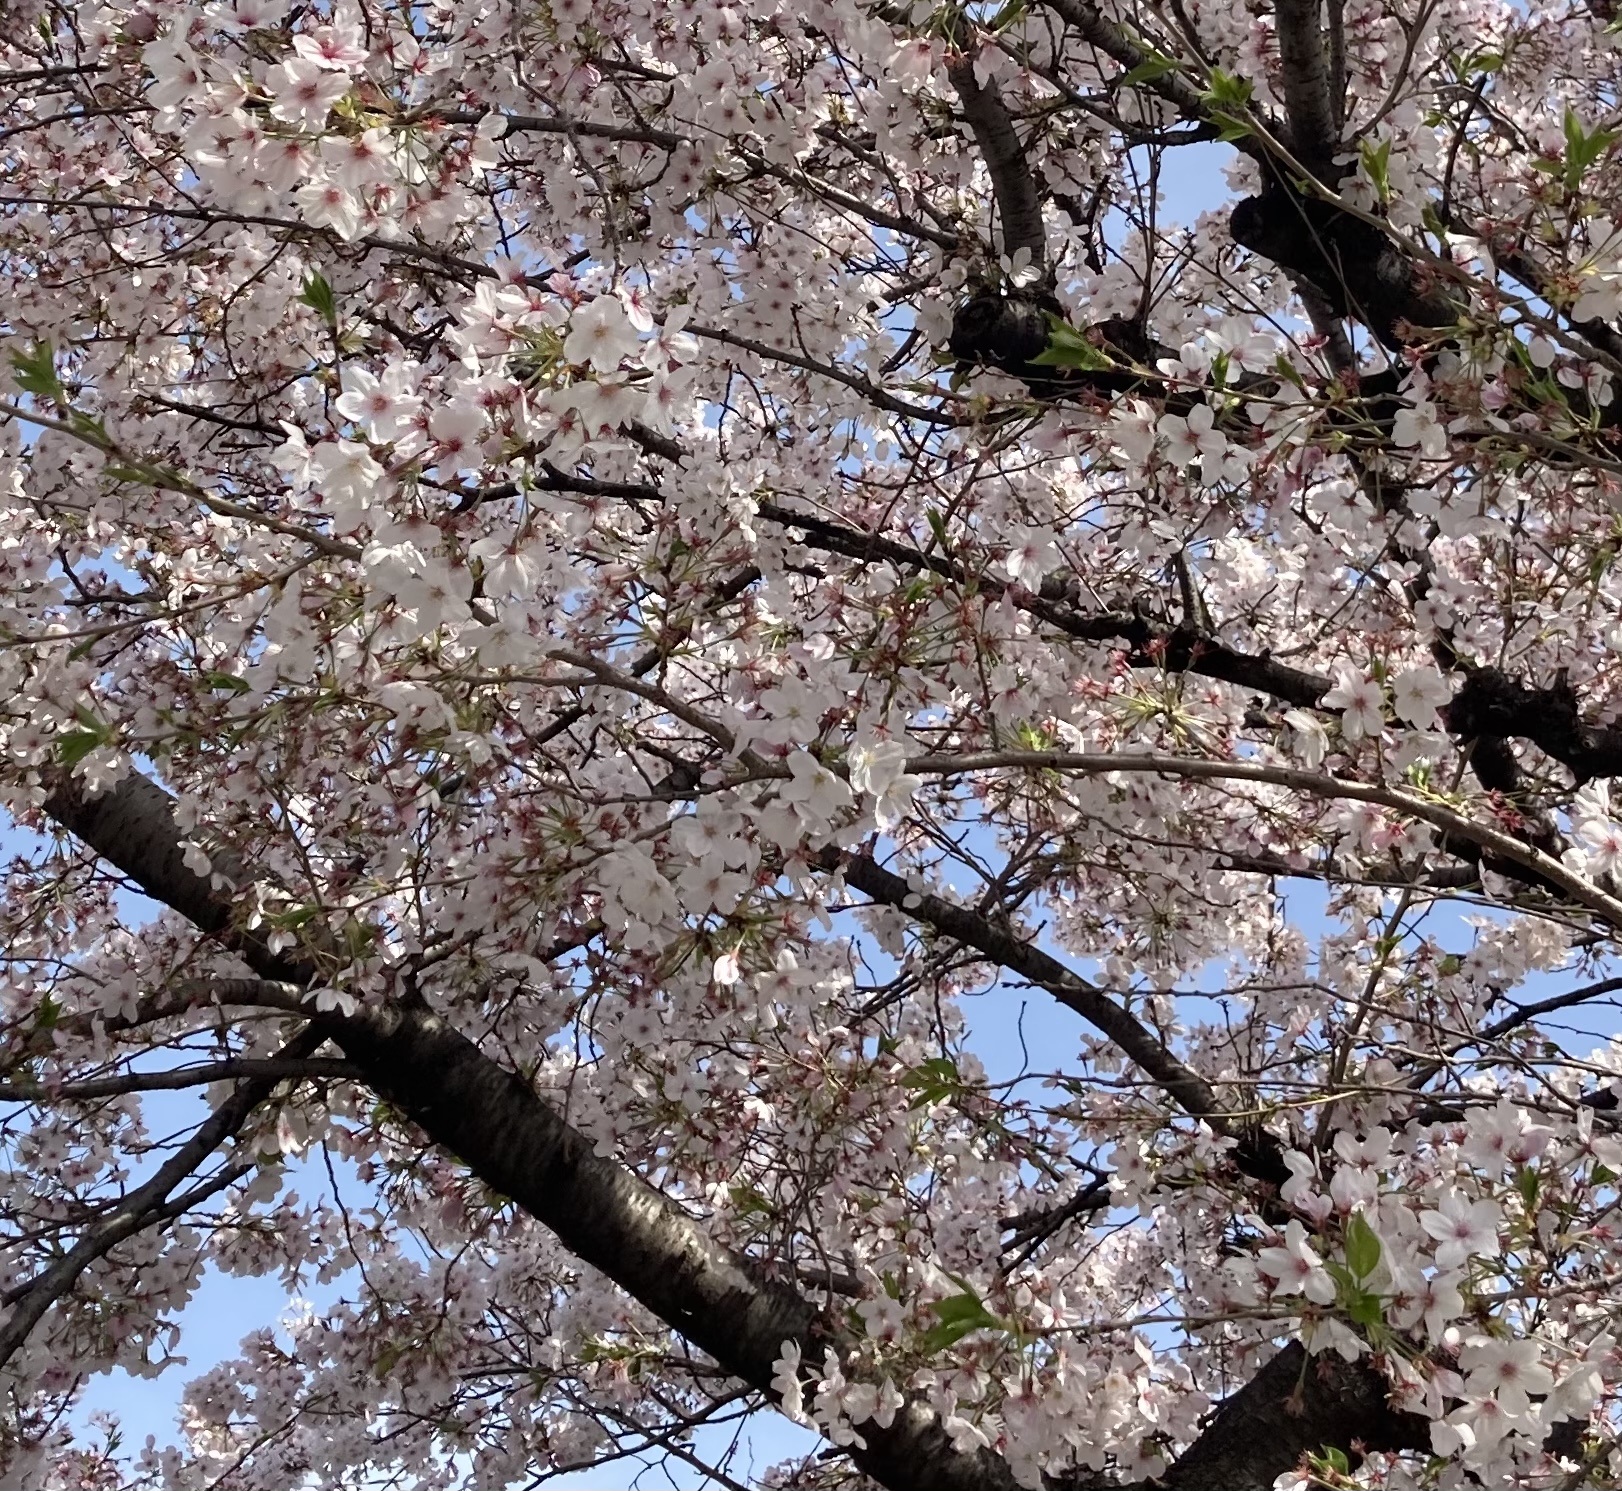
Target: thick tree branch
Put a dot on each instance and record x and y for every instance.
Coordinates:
(1307, 102)
(1019, 205)
(517, 1144)
(1488, 705)
(1296, 1405)
(1175, 648)
(1492, 703)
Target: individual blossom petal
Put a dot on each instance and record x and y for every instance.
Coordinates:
(881, 771)
(358, 161)
(177, 74)
(1416, 426)
(384, 407)
(1296, 1267)
(966, 1436)
(328, 999)
(1417, 694)
(1601, 846)
(1032, 556)
(1308, 738)
(338, 47)
(1512, 1369)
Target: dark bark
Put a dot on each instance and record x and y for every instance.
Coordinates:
(1491, 703)
(1308, 103)
(1359, 270)
(1294, 1406)
(1019, 204)
(724, 1303)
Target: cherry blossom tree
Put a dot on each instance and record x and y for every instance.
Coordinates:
(579, 577)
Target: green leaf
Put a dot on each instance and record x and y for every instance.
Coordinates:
(294, 917)
(228, 681)
(1365, 1309)
(317, 294)
(747, 1199)
(1154, 66)
(959, 1315)
(1227, 92)
(72, 746)
(36, 372)
(934, 1080)
(1231, 127)
(88, 427)
(1287, 370)
(1362, 1246)
(1334, 1458)
(1582, 148)
(1527, 1182)
(1068, 348)
(1376, 161)
(134, 476)
(1008, 15)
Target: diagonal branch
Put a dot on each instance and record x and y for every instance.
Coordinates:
(1295, 1405)
(725, 1303)
(1454, 825)
(1019, 204)
(1191, 1092)
(1095, 27)
(1177, 649)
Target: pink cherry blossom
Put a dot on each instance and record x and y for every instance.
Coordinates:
(1362, 702)
(1296, 1268)
(303, 92)
(1463, 1229)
